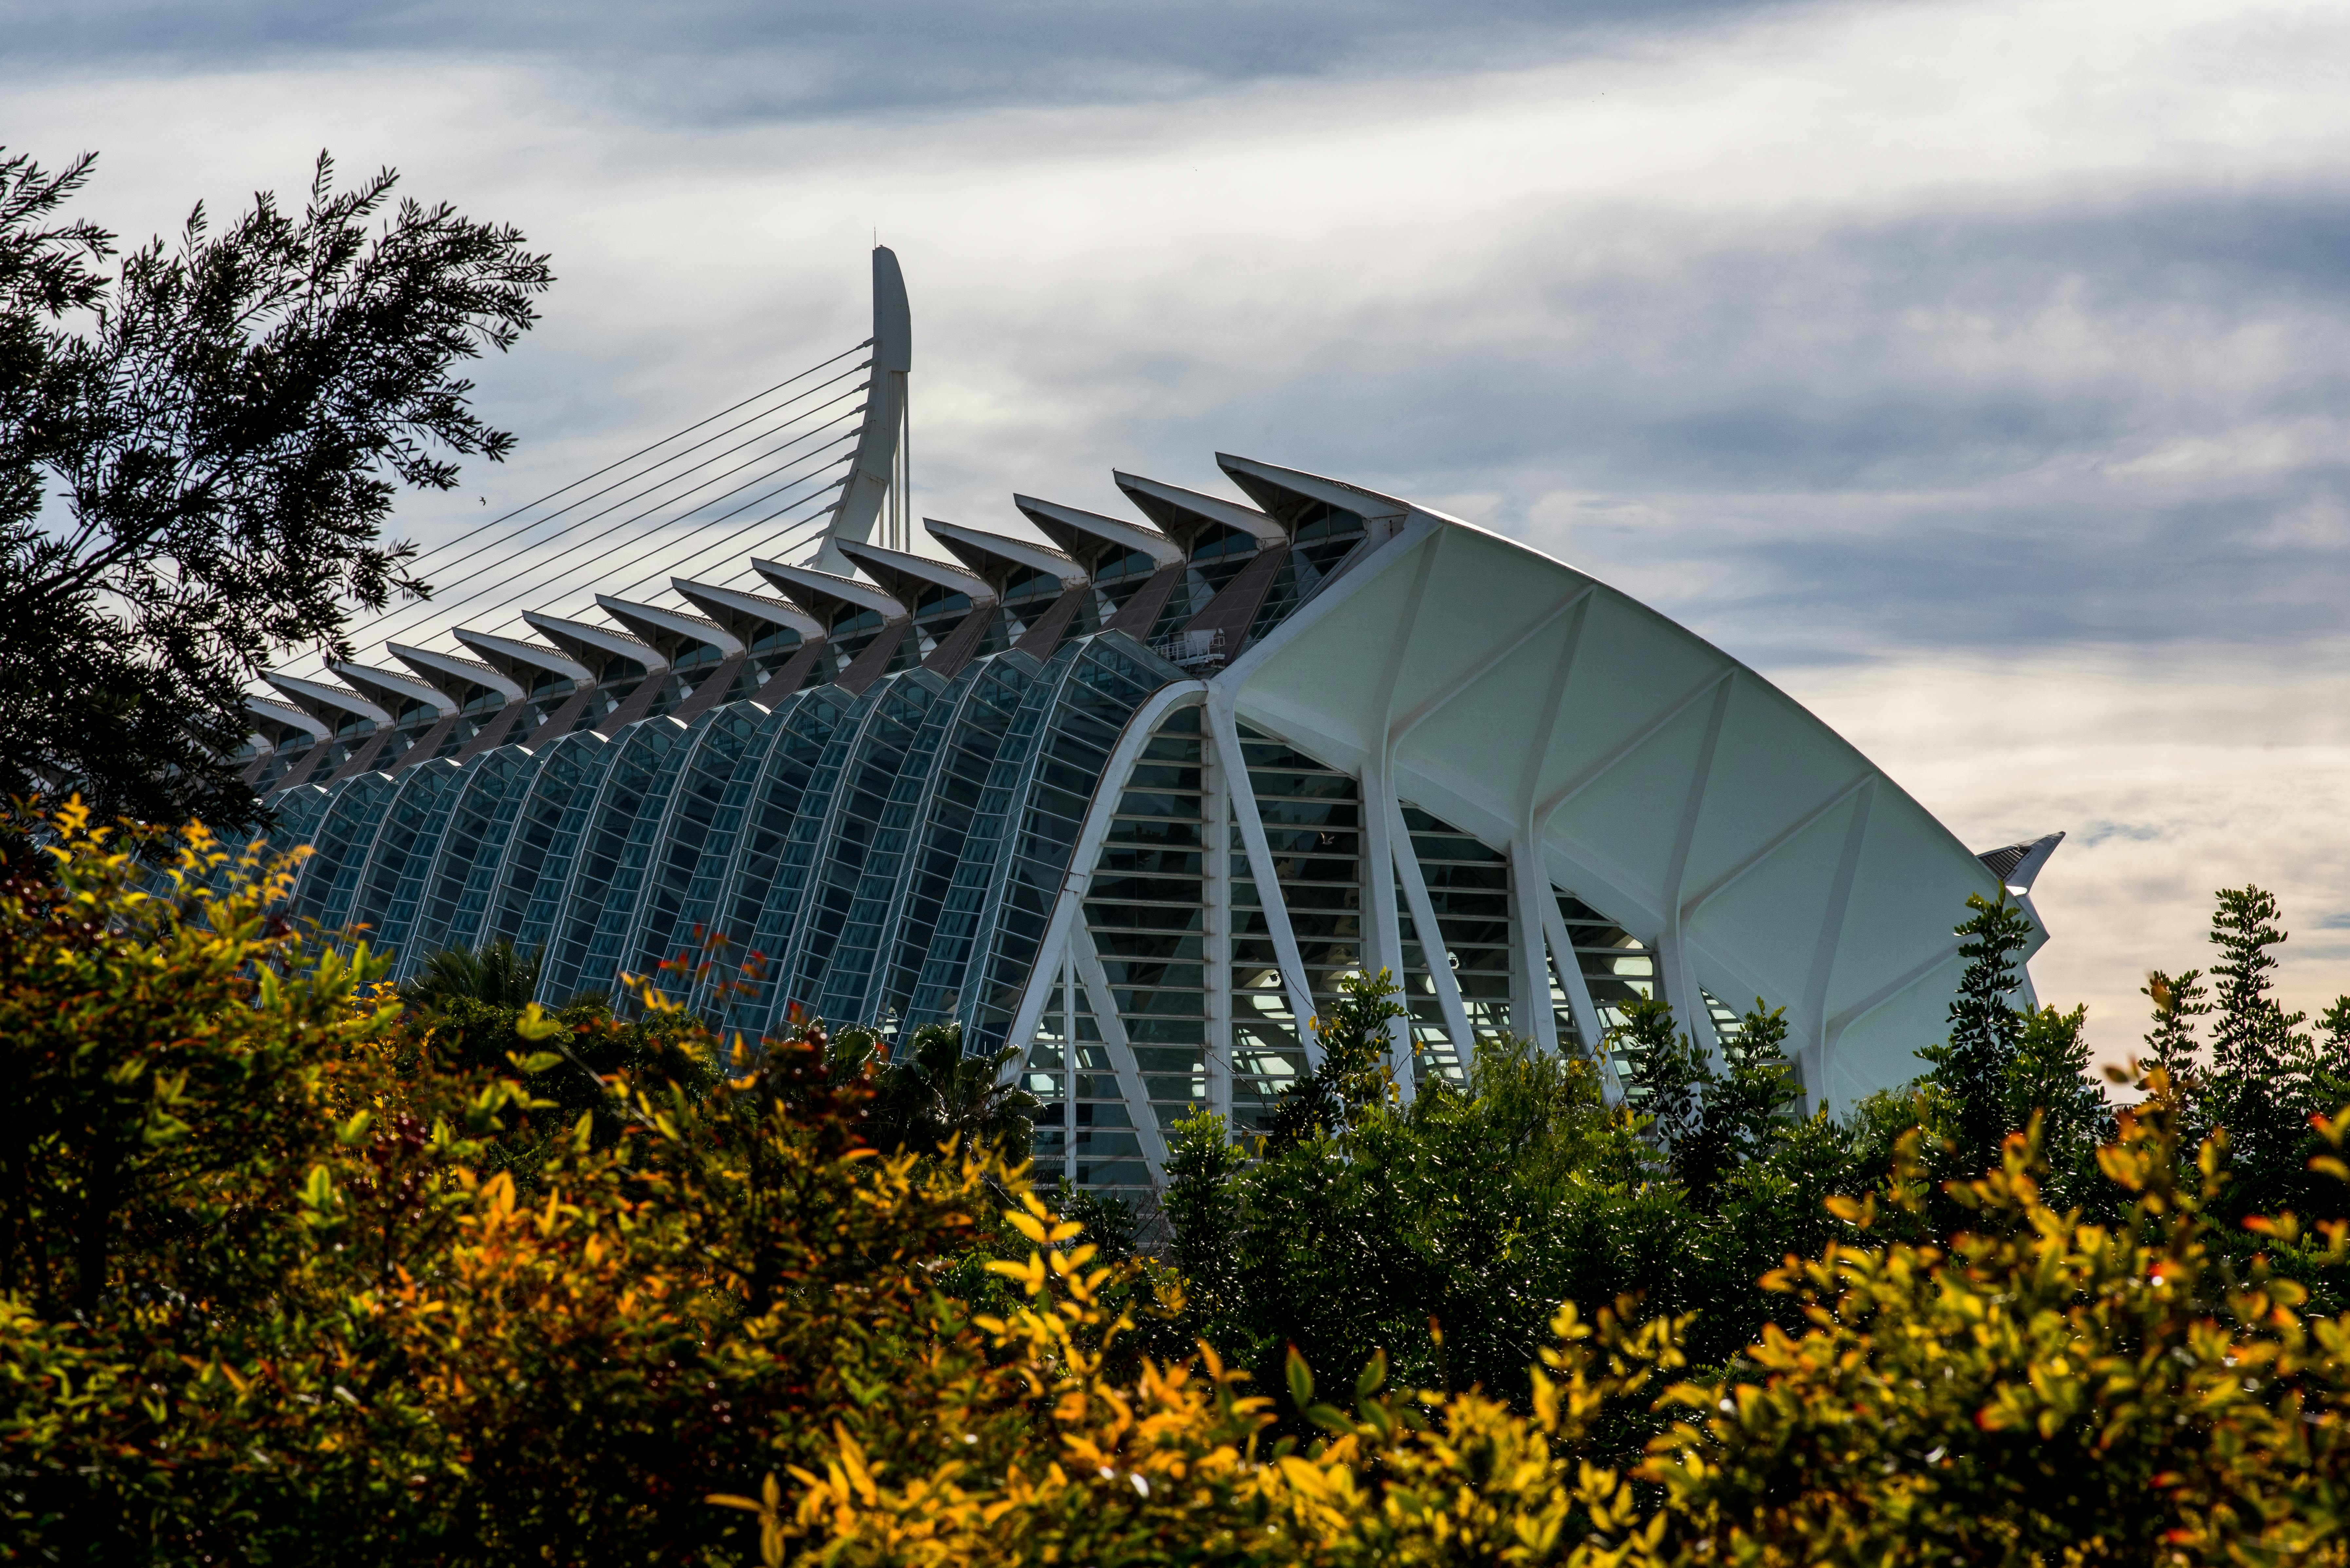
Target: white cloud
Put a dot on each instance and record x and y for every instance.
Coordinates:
(1974, 368)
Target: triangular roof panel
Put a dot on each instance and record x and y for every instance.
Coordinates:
(1181, 513)
(513, 655)
(669, 631)
(824, 594)
(449, 669)
(585, 640)
(748, 615)
(1088, 536)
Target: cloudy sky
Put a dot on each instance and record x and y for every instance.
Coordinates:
(1974, 371)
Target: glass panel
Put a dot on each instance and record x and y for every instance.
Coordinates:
(465, 865)
(615, 847)
(705, 820)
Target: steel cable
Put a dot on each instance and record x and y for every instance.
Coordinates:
(377, 624)
(554, 583)
(415, 613)
(641, 451)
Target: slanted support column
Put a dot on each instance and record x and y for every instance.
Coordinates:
(1673, 959)
(1528, 883)
(1234, 608)
(712, 688)
(1216, 940)
(1141, 613)
(1432, 939)
(490, 731)
(1045, 633)
(634, 706)
(1069, 1052)
(1120, 1051)
(1578, 993)
(1382, 820)
(1225, 733)
(794, 672)
(430, 743)
(1383, 934)
(362, 757)
(868, 667)
(1069, 913)
(959, 646)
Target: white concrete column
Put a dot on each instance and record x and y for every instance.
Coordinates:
(1431, 937)
(1529, 883)
(1070, 1072)
(1216, 940)
(1226, 732)
(1120, 1052)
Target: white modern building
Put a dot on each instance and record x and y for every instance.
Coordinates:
(1147, 785)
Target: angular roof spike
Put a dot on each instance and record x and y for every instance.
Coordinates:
(313, 696)
(1183, 514)
(585, 640)
(996, 559)
(510, 656)
(824, 594)
(904, 576)
(276, 718)
(391, 689)
(669, 631)
(2017, 865)
(748, 616)
(1286, 492)
(452, 670)
(1088, 536)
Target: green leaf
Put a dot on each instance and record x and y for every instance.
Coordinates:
(353, 1130)
(1301, 1379)
(535, 1024)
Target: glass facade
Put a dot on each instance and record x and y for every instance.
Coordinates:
(393, 883)
(537, 866)
(464, 869)
(589, 941)
(1146, 915)
(705, 821)
(991, 838)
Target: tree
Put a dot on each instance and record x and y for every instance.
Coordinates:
(2050, 1079)
(2171, 1046)
(198, 456)
(1741, 1109)
(268, 1295)
(2332, 1071)
(2042, 1390)
(1974, 1064)
(1663, 1071)
(1706, 1123)
(929, 1092)
(270, 1290)
(1352, 1076)
(2261, 1087)
(496, 975)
